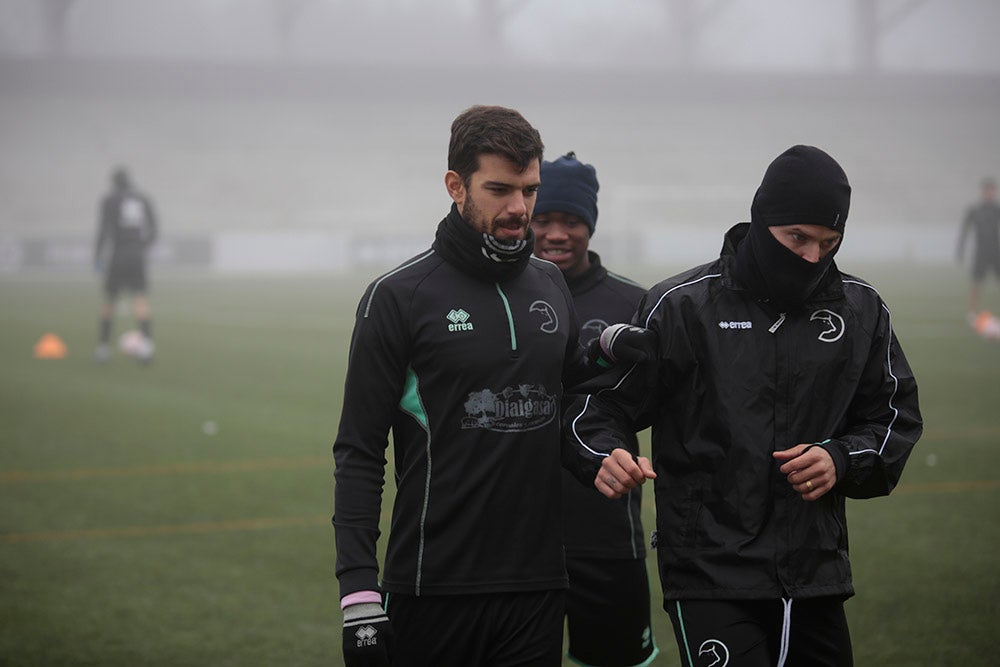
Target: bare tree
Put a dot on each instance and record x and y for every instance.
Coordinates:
(690, 19)
(873, 19)
(54, 13)
(492, 15)
(287, 13)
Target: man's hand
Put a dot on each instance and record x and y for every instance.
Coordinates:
(620, 472)
(809, 469)
(368, 636)
(624, 342)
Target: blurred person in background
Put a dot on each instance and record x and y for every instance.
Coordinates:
(462, 354)
(779, 391)
(126, 229)
(608, 602)
(982, 222)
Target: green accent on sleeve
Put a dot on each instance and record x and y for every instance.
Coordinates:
(510, 318)
(410, 402)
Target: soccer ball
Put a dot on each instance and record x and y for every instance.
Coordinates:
(134, 344)
(987, 325)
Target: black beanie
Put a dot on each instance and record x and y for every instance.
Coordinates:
(569, 186)
(804, 186)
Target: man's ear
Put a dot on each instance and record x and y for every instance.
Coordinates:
(456, 188)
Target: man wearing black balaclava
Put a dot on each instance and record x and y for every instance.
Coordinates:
(779, 392)
(796, 224)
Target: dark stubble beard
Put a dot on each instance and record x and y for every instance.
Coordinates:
(474, 216)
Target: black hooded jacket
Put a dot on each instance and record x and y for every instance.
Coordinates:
(735, 381)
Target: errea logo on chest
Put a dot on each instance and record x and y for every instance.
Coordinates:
(730, 324)
(459, 320)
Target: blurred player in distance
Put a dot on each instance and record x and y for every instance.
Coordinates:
(779, 391)
(127, 227)
(608, 602)
(982, 223)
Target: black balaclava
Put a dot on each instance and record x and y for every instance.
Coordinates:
(805, 186)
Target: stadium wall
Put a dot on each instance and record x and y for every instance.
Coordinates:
(290, 252)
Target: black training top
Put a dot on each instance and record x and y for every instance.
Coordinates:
(983, 220)
(597, 527)
(127, 224)
(466, 371)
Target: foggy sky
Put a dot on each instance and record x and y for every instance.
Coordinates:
(741, 35)
(259, 145)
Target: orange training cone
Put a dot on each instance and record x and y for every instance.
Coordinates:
(50, 346)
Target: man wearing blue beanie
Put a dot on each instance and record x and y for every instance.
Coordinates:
(608, 604)
(566, 214)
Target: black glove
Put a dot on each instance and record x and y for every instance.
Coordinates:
(367, 636)
(624, 342)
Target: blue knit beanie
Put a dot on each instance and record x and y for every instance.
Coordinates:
(570, 186)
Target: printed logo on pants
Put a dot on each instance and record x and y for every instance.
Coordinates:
(713, 653)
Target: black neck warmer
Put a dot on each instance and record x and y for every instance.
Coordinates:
(772, 272)
(478, 254)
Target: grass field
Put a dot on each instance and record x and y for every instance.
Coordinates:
(132, 532)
